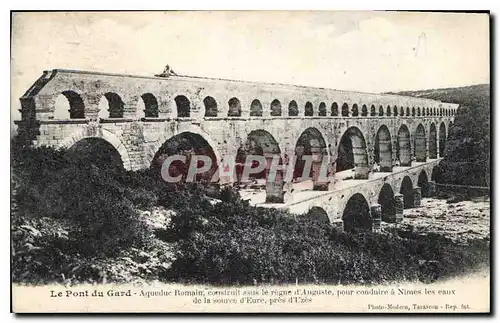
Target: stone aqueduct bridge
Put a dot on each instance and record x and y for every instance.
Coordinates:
(138, 114)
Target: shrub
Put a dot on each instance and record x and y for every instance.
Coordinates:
(75, 221)
(235, 243)
(98, 213)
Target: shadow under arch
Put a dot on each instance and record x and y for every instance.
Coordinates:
(311, 143)
(150, 105)
(186, 144)
(407, 191)
(234, 107)
(383, 149)
(111, 106)
(275, 108)
(317, 214)
(183, 106)
(293, 109)
(211, 109)
(97, 151)
(69, 105)
(356, 215)
(308, 109)
(423, 183)
(352, 153)
(420, 144)
(345, 110)
(322, 109)
(335, 109)
(256, 108)
(105, 135)
(261, 143)
(403, 149)
(155, 147)
(388, 203)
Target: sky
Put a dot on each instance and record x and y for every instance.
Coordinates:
(358, 51)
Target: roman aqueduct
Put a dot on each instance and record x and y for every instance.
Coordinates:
(145, 117)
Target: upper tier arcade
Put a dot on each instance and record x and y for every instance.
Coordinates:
(198, 98)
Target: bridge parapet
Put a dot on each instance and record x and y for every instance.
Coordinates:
(184, 96)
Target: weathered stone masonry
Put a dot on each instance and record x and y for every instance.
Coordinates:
(226, 112)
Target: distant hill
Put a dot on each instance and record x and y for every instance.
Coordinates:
(465, 95)
(467, 153)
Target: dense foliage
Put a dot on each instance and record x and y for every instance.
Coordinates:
(235, 243)
(78, 220)
(467, 155)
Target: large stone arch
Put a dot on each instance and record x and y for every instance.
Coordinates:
(194, 149)
(356, 213)
(387, 202)
(311, 142)
(260, 142)
(420, 144)
(406, 189)
(352, 153)
(153, 148)
(319, 214)
(403, 148)
(383, 149)
(104, 134)
(433, 150)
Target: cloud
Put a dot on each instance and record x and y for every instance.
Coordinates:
(379, 27)
(362, 51)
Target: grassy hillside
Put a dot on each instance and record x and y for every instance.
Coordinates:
(465, 95)
(467, 153)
